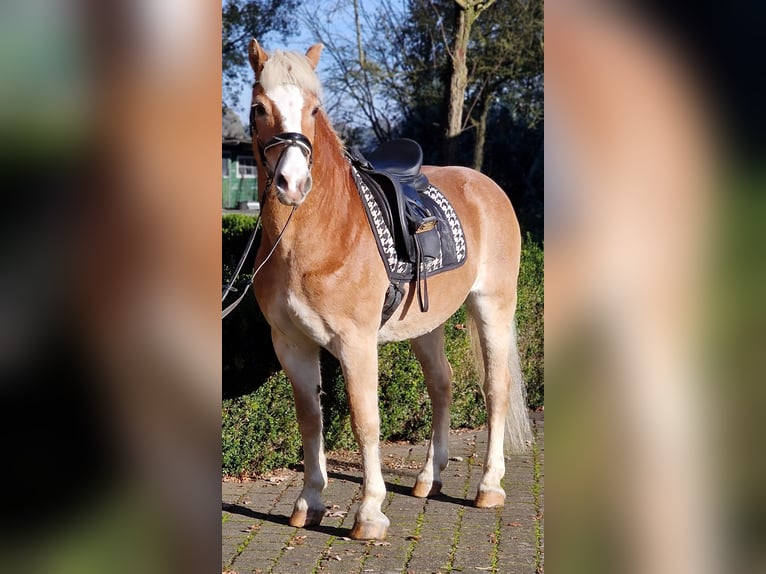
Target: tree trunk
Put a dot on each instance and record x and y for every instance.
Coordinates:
(458, 83)
(359, 47)
(481, 133)
(467, 13)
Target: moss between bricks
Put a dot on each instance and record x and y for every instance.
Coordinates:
(259, 429)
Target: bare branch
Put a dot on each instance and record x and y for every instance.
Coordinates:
(440, 20)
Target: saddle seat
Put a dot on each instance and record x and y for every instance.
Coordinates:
(402, 159)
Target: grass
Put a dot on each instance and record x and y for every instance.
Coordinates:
(415, 536)
(240, 549)
(536, 487)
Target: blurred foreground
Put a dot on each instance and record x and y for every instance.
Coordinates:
(111, 333)
(651, 229)
(110, 338)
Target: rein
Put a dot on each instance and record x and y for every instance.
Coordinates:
(288, 140)
(246, 288)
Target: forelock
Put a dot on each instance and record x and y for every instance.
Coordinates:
(290, 68)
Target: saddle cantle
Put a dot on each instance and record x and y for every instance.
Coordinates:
(416, 229)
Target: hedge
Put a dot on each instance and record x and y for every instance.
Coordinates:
(259, 430)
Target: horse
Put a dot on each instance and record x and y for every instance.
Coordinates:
(322, 284)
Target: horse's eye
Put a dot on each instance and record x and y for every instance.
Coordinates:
(315, 111)
(259, 110)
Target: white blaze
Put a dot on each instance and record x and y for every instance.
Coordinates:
(289, 105)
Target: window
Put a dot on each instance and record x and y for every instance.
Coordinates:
(245, 166)
(225, 166)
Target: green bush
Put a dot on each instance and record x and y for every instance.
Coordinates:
(259, 427)
(247, 355)
(529, 321)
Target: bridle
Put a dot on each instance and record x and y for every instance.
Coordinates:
(285, 139)
(288, 140)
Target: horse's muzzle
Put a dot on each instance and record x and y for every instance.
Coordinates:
(292, 176)
(292, 195)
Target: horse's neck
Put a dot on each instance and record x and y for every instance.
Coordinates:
(324, 212)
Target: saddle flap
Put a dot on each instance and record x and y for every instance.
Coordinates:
(407, 210)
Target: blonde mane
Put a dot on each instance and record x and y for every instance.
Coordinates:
(290, 68)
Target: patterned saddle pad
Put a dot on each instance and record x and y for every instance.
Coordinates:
(450, 253)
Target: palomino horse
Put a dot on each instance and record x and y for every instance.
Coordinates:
(325, 284)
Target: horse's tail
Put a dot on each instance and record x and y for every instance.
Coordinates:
(518, 432)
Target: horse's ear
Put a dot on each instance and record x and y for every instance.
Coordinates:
(313, 54)
(257, 56)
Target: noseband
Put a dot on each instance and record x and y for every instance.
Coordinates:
(290, 139)
(286, 139)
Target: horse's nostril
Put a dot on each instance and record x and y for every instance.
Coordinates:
(281, 181)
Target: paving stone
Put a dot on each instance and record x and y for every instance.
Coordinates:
(442, 534)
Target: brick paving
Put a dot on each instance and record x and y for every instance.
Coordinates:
(442, 534)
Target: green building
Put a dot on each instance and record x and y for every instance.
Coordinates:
(239, 174)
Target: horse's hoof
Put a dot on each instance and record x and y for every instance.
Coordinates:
(303, 518)
(489, 498)
(424, 490)
(369, 531)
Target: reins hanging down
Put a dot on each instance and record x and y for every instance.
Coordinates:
(246, 288)
(229, 286)
(286, 139)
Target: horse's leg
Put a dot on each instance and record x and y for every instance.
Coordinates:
(429, 349)
(300, 360)
(493, 319)
(359, 360)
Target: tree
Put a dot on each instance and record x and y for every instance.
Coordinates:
(363, 83)
(232, 128)
(507, 64)
(467, 13)
(241, 21)
(390, 69)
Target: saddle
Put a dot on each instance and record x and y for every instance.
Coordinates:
(414, 214)
(393, 173)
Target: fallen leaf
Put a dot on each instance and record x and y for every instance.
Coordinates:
(513, 524)
(413, 537)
